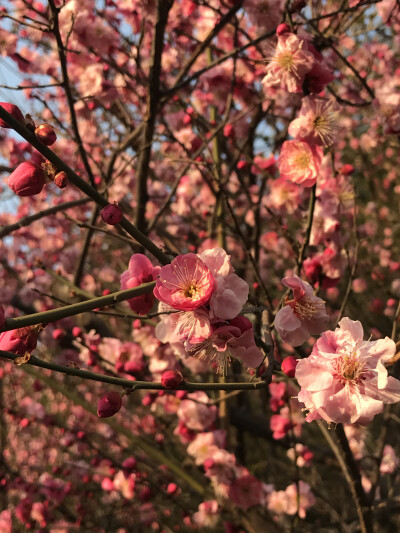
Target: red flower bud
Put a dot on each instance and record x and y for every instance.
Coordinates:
(112, 214)
(109, 404)
(283, 28)
(14, 111)
(171, 379)
(172, 488)
(46, 134)
(128, 466)
(288, 366)
(61, 180)
(19, 341)
(27, 179)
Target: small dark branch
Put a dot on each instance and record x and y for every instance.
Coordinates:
(67, 88)
(128, 383)
(26, 221)
(306, 240)
(153, 100)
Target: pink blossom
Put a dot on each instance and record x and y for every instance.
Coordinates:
(186, 284)
(205, 445)
(301, 317)
(299, 162)
(207, 514)
(280, 426)
(20, 340)
(316, 122)
(197, 415)
(230, 291)
(235, 340)
(288, 502)
(390, 460)
(190, 327)
(344, 379)
(246, 491)
(289, 64)
(140, 270)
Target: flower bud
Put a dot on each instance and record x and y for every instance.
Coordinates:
(283, 28)
(288, 366)
(61, 180)
(171, 379)
(27, 179)
(109, 404)
(46, 134)
(19, 341)
(14, 111)
(172, 488)
(128, 466)
(112, 214)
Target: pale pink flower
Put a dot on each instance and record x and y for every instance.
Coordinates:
(140, 270)
(206, 444)
(235, 340)
(344, 379)
(289, 64)
(301, 317)
(299, 162)
(288, 502)
(230, 292)
(195, 413)
(186, 284)
(190, 327)
(207, 514)
(316, 122)
(390, 460)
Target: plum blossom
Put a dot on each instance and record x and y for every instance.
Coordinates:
(299, 162)
(195, 413)
(301, 317)
(289, 64)
(190, 327)
(316, 122)
(186, 284)
(344, 379)
(231, 292)
(287, 501)
(140, 270)
(235, 340)
(207, 514)
(246, 491)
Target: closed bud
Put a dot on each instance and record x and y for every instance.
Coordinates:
(14, 111)
(171, 379)
(109, 404)
(128, 466)
(112, 214)
(19, 341)
(172, 488)
(27, 179)
(61, 180)
(283, 28)
(46, 134)
(288, 366)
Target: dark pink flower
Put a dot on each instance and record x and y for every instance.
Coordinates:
(27, 179)
(186, 284)
(19, 341)
(140, 270)
(299, 162)
(14, 111)
(246, 491)
(288, 366)
(171, 379)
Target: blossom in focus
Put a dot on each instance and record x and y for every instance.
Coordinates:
(186, 284)
(27, 179)
(140, 270)
(301, 317)
(299, 162)
(316, 122)
(230, 292)
(235, 340)
(190, 327)
(344, 379)
(19, 341)
(289, 64)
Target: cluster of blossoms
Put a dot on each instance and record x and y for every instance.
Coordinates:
(201, 297)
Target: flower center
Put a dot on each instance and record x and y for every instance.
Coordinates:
(302, 161)
(305, 308)
(191, 291)
(349, 368)
(286, 60)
